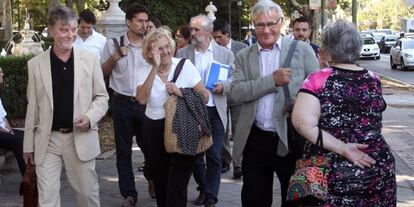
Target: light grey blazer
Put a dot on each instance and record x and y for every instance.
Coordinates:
(221, 55)
(249, 86)
(237, 46)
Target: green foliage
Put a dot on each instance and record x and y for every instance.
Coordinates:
(13, 90)
(382, 14)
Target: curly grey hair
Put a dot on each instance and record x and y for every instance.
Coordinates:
(343, 42)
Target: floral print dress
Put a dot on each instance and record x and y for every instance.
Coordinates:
(351, 110)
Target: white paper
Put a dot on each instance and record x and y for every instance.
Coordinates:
(223, 74)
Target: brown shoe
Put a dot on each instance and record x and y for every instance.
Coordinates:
(151, 191)
(128, 202)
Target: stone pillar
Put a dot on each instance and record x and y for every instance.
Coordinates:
(113, 23)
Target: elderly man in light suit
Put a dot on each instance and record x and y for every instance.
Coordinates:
(66, 99)
(202, 52)
(257, 85)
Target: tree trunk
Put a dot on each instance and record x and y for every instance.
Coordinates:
(7, 19)
(80, 4)
(52, 3)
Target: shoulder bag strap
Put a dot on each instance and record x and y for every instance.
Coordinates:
(122, 40)
(178, 70)
(286, 64)
(117, 47)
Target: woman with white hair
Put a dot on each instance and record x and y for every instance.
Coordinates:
(345, 101)
(171, 172)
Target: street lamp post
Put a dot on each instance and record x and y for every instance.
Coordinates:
(239, 4)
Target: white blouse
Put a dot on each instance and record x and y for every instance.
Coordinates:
(188, 78)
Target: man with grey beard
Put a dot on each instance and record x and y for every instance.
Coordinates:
(202, 52)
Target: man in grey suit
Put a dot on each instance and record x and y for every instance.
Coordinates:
(202, 52)
(221, 34)
(257, 85)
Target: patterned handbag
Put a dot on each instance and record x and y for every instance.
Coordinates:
(309, 183)
(171, 142)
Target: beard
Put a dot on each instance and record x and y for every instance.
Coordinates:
(196, 41)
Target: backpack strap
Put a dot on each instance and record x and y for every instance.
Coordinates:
(121, 39)
(286, 64)
(178, 70)
(117, 46)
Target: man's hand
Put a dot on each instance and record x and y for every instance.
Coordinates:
(218, 89)
(82, 123)
(28, 158)
(281, 76)
(123, 50)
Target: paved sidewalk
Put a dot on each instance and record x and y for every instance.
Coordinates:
(398, 131)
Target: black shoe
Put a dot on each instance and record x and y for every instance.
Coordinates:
(225, 168)
(237, 172)
(210, 203)
(199, 201)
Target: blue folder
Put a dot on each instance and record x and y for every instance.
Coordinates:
(213, 76)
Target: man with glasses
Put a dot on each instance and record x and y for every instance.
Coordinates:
(257, 86)
(202, 52)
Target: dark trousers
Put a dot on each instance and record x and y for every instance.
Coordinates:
(128, 117)
(208, 179)
(14, 142)
(260, 162)
(171, 172)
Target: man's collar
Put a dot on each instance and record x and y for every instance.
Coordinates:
(278, 44)
(229, 44)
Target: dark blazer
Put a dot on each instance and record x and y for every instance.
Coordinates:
(315, 48)
(253, 41)
(248, 87)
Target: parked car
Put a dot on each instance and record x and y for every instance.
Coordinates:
(402, 53)
(369, 49)
(387, 42)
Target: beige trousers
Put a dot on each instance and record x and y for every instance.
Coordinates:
(81, 175)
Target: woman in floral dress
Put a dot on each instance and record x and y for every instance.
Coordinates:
(346, 102)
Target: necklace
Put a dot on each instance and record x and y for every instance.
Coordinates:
(165, 73)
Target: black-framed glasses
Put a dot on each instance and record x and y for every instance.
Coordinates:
(270, 25)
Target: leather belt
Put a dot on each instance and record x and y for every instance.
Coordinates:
(64, 130)
(129, 98)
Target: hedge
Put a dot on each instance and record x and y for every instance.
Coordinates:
(13, 89)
